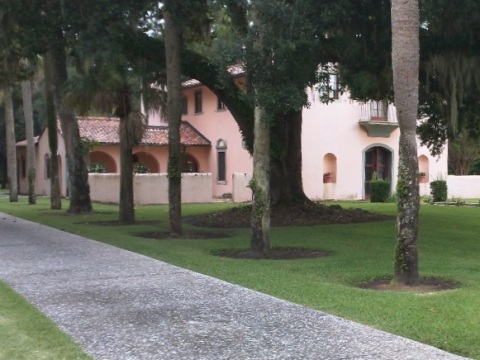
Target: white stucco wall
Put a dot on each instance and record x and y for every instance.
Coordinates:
(334, 129)
(241, 192)
(151, 188)
(465, 187)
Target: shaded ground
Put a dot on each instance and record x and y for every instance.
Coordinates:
(117, 223)
(187, 235)
(286, 253)
(426, 285)
(308, 215)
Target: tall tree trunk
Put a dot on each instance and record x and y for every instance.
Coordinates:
(77, 168)
(28, 114)
(286, 185)
(173, 44)
(260, 237)
(405, 61)
(126, 203)
(11, 149)
(55, 193)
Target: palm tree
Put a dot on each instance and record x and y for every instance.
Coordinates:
(55, 193)
(28, 114)
(173, 45)
(11, 150)
(405, 61)
(109, 87)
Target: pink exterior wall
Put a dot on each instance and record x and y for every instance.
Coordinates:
(218, 125)
(42, 183)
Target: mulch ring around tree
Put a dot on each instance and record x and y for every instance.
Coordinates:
(426, 285)
(299, 215)
(117, 223)
(277, 253)
(187, 235)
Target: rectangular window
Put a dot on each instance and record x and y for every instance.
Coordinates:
(332, 86)
(220, 104)
(221, 164)
(198, 102)
(184, 105)
(47, 166)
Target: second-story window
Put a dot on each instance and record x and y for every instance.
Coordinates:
(184, 105)
(198, 102)
(220, 104)
(329, 87)
(332, 86)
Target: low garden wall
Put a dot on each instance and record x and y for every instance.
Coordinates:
(240, 190)
(151, 188)
(465, 187)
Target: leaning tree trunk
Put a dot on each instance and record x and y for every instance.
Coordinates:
(173, 66)
(11, 150)
(405, 61)
(260, 226)
(55, 193)
(28, 114)
(286, 185)
(77, 168)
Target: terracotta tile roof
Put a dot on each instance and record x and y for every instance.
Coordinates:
(235, 70)
(24, 142)
(105, 131)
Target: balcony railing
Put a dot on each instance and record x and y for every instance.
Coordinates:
(375, 111)
(377, 118)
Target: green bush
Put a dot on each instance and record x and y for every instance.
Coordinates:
(438, 190)
(140, 168)
(97, 167)
(379, 190)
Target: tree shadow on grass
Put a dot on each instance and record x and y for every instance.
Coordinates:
(426, 285)
(276, 253)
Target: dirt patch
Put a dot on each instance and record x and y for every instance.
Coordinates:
(426, 285)
(187, 235)
(117, 223)
(305, 215)
(279, 253)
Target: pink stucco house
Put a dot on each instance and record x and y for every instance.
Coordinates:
(343, 144)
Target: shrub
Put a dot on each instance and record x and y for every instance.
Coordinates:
(438, 190)
(140, 168)
(97, 167)
(379, 190)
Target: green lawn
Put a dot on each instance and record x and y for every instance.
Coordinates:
(26, 334)
(449, 248)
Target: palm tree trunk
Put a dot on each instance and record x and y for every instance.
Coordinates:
(126, 204)
(28, 114)
(174, 115)
(405, 61)
(77, 168)
(11, 150)
(55, 193)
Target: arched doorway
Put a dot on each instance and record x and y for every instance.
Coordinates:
(378, 162)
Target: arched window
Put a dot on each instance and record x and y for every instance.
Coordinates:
(221, 161)
(23, 167)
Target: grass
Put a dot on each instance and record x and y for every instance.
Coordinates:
(25, 333)
(449, 248)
